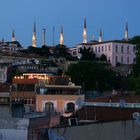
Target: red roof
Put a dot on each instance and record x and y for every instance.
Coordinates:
(116, 98)
(106, 113)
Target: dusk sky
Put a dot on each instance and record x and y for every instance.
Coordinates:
(109, 15)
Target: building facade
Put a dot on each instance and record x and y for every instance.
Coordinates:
(116, 51)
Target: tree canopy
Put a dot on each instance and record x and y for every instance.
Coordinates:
(136, 40)
(92, 75)
(87, 54)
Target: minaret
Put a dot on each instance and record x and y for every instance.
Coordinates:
(100, 36)
(43, 37)
(13, 36)
(34, 36)
(61, 41)
(85, 32)
(2, 40)
(126, 31)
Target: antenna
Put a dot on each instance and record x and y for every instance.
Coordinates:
(43, 36)
(53, 36)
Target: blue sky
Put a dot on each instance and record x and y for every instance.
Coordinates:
(110, 15)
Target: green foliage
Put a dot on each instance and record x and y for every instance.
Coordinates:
(132, 83)
(92, 75)
(61, 51)
(43, 51)
(87, 54)
(136, 40)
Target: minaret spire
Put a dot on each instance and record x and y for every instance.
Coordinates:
(100, 36)
(34, 36)
(43, 37)
(126, 31)
(61, 41)
(85, 32)
(13, 36)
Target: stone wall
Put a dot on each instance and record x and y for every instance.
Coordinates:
(120, 130)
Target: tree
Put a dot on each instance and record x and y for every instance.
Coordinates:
(90, 74)
(45, 51)
(61, 51)
(87, 54)
(136, 40)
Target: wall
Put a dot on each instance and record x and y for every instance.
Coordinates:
(5, 111)
(14, 129)
(121, 130)
(58, 100)
(13, 134)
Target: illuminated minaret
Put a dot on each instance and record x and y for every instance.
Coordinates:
(126, 31)
(43, 37)
(13, 36)
(85, 32)
(34, 36)
(61, 41)
(100, 36)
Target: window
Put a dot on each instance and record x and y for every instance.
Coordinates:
(70, 107)
(127, 60)
(105, 48)
(102, 48)
(99, 49)
(109, 58)
(116, 59)
(134, 48)
(95, 49)
(122, 59)
(134, 60)
(116, 48)
(109, 48)
(49, 107)
(127, 49)
(74, 53)
(122, 49)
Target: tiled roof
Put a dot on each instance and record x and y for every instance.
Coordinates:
(116, 98)
(106, 113)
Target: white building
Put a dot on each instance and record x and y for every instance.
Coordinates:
(116, 51)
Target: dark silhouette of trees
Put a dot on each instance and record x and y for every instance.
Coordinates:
(87, 54)
(90, 74)
(62, 51)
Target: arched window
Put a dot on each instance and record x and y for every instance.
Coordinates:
(70, 107)
(49, 107)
